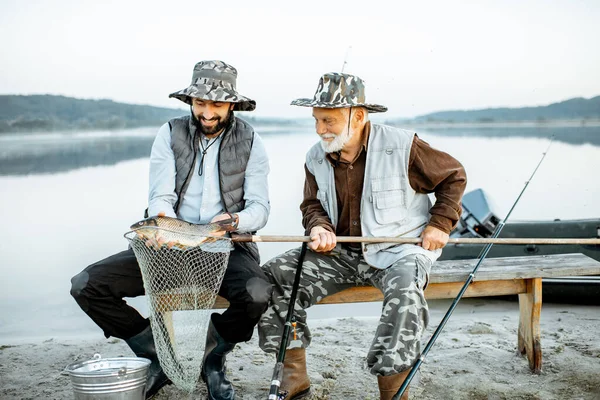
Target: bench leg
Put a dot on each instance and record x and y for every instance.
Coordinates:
(168, 321)
(530, 307)
(164, 305)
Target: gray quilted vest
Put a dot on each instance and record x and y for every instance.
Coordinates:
(234, 153)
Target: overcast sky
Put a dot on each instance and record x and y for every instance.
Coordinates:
(415, 56)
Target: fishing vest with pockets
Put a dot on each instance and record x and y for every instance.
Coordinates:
(234, 152)
(389, 205)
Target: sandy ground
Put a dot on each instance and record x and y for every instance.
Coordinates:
(474, 358)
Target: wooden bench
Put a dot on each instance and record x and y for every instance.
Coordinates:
(495, 277)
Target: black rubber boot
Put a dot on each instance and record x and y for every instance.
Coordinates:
(213, 367)
(142, 345)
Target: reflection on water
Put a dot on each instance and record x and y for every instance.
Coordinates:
(68, 155)
(24, 154)
(565, 134)
(42, 154)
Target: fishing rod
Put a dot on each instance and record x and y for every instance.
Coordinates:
(401, 240)
(462, 291)
(278, 370)
(346, 59)
(279, 366)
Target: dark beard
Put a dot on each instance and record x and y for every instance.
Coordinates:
(221, 124)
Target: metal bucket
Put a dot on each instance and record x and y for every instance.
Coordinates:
(121, 378)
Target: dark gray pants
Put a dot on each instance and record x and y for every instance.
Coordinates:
(100, 288)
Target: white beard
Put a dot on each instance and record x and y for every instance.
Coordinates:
(338, 142)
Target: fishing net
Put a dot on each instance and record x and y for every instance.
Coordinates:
(181, 285)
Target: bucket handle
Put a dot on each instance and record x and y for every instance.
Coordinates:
(122, 371)
(66, 371)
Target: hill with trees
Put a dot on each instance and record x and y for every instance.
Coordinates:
(572, 109)
(51, 113)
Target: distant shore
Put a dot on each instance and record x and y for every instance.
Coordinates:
(271, 126)
(8, 129)
(47, 113)
(567, 123)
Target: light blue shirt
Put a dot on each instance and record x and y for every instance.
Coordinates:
(202, 200)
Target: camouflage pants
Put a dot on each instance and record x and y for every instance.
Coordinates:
(404, 314)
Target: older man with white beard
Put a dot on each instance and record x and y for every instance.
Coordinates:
(372, 180)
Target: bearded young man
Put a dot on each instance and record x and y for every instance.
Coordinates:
(204, 167)
(372, 180)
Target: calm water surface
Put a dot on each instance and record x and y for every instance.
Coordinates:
(67, 200)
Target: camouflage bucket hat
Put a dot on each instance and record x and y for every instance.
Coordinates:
(339, 91)
(215, 80)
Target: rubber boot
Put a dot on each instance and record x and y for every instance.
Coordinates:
(142, 345)
(213, 367)
(389, 385)
(295, 383)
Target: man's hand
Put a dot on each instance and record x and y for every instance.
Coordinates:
(322, 241)
(433, 238)
(157, 241)
(221, 217)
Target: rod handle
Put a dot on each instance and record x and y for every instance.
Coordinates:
(276, 381)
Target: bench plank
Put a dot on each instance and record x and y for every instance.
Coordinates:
(506, 268)
(361, 294)
(496, 276)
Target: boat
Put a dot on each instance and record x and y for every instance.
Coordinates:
(479, 220)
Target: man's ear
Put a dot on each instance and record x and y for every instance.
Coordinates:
(359, 115)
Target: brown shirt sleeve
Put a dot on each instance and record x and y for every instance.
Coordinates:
(313, 213)
(433, 171)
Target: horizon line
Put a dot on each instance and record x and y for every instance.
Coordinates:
(289, 117)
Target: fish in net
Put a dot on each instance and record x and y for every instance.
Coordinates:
(182, 267)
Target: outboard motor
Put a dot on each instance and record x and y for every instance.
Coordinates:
(477, 219)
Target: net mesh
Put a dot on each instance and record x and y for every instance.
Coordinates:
(181, 284)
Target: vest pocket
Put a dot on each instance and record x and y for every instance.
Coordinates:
(389, 201)
(322, 196)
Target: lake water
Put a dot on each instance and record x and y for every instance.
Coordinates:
(67, 199)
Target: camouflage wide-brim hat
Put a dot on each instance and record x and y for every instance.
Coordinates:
(215, 80)
(337, 90)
